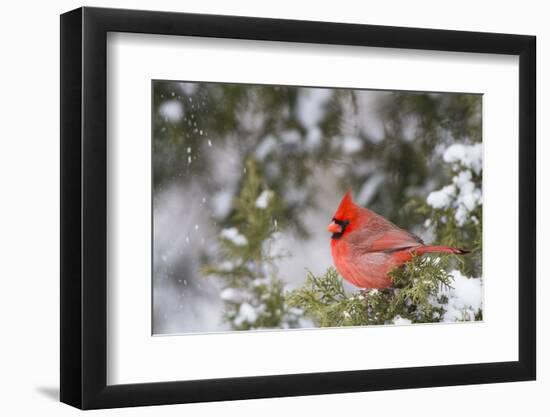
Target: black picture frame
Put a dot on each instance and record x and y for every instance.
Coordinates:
(84, 207)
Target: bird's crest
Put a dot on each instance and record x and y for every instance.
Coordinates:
(347, 210)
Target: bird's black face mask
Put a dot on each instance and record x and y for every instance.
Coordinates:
(343, 224)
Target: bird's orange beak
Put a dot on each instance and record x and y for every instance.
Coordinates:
(333, 227)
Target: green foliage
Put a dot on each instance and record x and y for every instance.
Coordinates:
(417, 286)
(257, 224)
(442, 222)
(415, 296)
(466, 236)
(324, 300)
(253, 294)
(414, 125)
(265, 297)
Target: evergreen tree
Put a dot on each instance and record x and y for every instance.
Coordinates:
(253, 294)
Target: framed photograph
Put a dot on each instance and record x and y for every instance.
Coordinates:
(257, 208)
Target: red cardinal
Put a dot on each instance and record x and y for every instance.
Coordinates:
(365, 246)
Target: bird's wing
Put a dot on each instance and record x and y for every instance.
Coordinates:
(383, 236)
(393, 240)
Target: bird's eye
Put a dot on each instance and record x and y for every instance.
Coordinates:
(342, 223)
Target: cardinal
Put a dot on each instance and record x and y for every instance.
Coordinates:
(366, 247)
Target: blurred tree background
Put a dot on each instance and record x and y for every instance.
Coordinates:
(236, 163)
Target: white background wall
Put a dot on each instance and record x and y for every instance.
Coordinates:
(29, 236)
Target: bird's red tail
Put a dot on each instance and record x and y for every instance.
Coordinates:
(441, 249)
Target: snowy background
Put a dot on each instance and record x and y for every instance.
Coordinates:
(392, 148)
